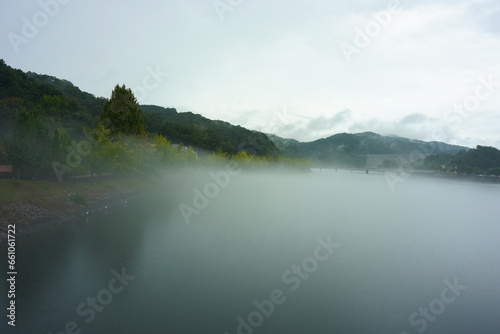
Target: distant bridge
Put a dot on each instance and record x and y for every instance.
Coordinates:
(381, 170)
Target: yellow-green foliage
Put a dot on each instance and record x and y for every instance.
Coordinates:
(125, 155)
(248, 161)
(164, 151)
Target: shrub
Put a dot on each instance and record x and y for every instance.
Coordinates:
(79, 199)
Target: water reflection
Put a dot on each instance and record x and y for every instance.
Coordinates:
(396, 250)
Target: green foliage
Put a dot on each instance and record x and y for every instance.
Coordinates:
(59, 104)
(17, 83)
(33, 146)
(481, 160)
(494, 171)
(9, 108)
(438, 161)
(60, 144)
(41, 119)
(253, 162)
(53, 97)
(55, 105)
(30, 143)
(346, 149)
(203, 133)
(122, 114)
(79, 199)
(101, 157)
(164, 149)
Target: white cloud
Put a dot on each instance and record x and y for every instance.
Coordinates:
(267, 57)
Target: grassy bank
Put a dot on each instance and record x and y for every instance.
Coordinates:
(39, 191)
(37, 206)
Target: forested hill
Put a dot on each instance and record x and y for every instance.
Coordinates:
(198, 131)
(57, 100)
(52, 113)
(352, 149)
(64, 105)
(480, 160)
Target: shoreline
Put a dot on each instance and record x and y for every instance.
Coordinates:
(416, 173)
(42, 213)
(36, 216)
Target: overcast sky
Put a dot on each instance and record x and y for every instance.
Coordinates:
(301, 69)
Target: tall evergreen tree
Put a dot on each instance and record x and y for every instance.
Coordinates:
(122, 114)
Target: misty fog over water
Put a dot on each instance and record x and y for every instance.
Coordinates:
(322, 252)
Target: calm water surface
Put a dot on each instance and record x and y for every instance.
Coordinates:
(318, 253)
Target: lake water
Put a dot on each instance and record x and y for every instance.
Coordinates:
(318, 253)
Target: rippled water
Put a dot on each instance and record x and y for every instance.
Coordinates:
(323, 252)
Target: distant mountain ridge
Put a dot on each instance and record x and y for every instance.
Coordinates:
(346, 149)
(63, 105)
(203, 133)
(69, 107)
